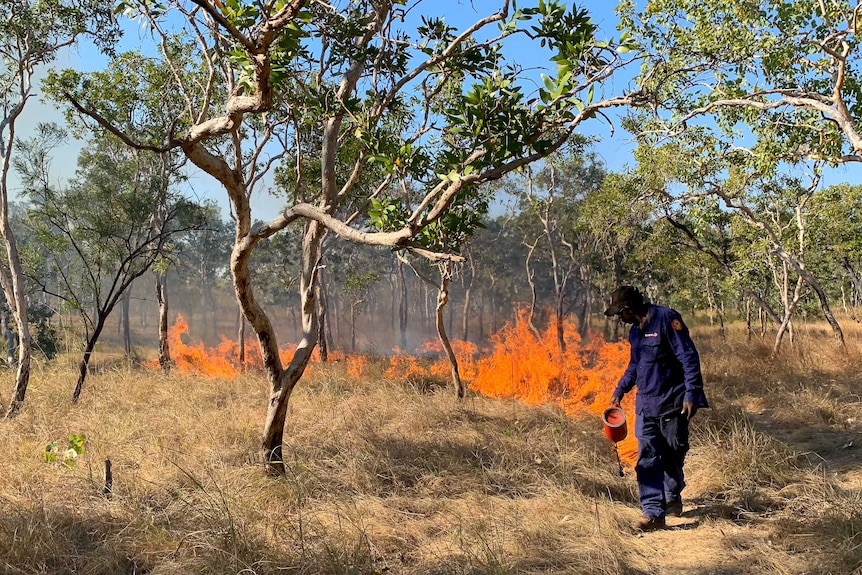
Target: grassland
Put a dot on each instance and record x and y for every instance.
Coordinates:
(398, 477)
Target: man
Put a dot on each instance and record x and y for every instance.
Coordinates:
(665, 367)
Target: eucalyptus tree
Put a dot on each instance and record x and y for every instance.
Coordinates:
(835, 230)
(103, 230)
(439, 108)
(551, 197)
(356, 287)
(776, 81)
(784, 74)
(698, 167)
(619, 216)
(203, 254)
(499, 255)
(32, 33)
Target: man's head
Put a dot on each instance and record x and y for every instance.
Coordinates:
(626, 302)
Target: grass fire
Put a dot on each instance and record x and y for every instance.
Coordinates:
(387, 472)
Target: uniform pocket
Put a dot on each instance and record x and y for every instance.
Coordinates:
(674, 428)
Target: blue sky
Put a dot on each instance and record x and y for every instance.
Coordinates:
(614, 151)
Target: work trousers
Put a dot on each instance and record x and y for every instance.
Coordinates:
(662, 445)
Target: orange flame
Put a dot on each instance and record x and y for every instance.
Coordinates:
(531, 368)
(520, 365)
(221, 361)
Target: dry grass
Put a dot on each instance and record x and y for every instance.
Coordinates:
(386, 477)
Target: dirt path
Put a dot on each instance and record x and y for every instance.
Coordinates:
(711, 539)
(694, 545)
(697, 544)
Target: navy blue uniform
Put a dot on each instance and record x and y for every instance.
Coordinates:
(665, 367)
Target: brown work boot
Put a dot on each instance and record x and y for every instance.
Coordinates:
(647, 523)
(674, 508)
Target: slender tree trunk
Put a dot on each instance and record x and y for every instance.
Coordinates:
(402, 306)
(483, 301)
(12, 280)
(240, 337)
(586, 302)
(328, 288)
(450, 323)
(748, 319)
(837, 333)
(426, 301)
(393, 305)
(494, 311)
(442, 300)
(715, 310)
(84, 364)
(142, 309)
(321, 319)
(11, 337)
(531, 281)
(465, 311)
(848, 308)
(353, 311)
(799, 268)
(124, 322)
(335, 314)
(761, 314)
(284, 380)
(854, 277)
(162, 299)
(468, 292)
(789, 309)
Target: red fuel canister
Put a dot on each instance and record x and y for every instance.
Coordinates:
(614, 419)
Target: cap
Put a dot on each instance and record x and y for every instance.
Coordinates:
(625, 297)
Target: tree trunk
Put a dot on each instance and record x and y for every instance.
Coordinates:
(854, 277)
(790, 303)
(531, 281)
(240, 338)
(162, 299)
(748, 319)
(837, 333)
(559, 325)
(714, 308)
(761, 314)
(586, 301)
(353, 310)
(393, 305)
(799, 268)
(11, 337)
(321, 320)
(402, 306)
(124, 322)
(284, 380)
(450, 323)
(84, 365)
(442, 300)
(426, 300)
(468, 292)
(480, 319)
(465, 321)
(335, 315)
(13, 286)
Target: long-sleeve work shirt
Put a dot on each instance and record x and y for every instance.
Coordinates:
(664, 365)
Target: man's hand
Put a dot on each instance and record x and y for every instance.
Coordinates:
(688, 409)
(615, 401)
